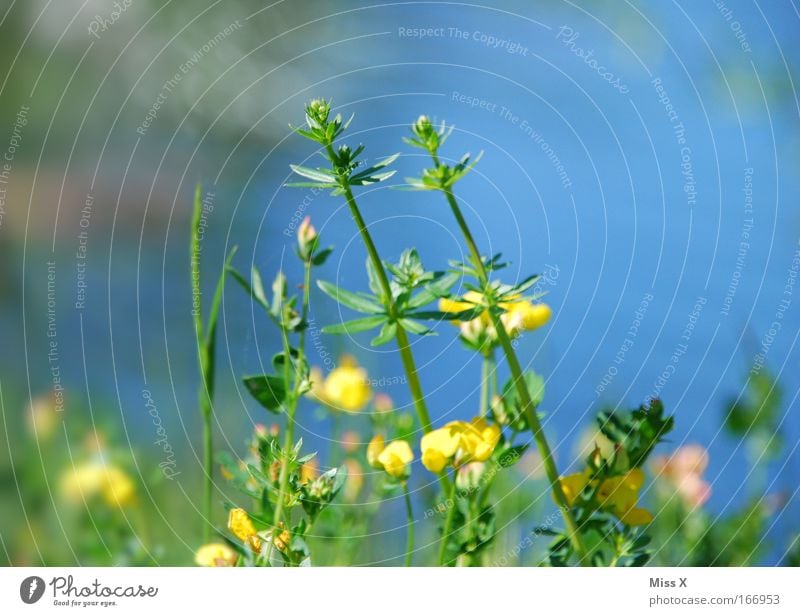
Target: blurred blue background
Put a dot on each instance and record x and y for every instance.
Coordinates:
(644, 213)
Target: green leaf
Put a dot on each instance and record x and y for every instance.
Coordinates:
(433, 291)
(511, 456)
(416, 328)
(355, 326)
(246, 286)
(351, 300)
(318, 175)
(268, 389)
(320, 257)
(388, 332)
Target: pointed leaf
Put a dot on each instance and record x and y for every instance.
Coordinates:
(355, 326)
(351, 300)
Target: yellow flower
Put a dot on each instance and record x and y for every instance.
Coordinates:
(396, 458)
(616, 494)
(467, 441)
(215, 555)
(620, 495)
(281, 540)
(520, 315)
(393, 458)
(375, 447)
(345, 388)
(573, 485)
(240, 524)
(93, 478)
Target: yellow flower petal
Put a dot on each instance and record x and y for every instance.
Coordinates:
(240, 524)
(636, 516)
(374, 449)
(347, 387)
(215, 555)
(573, 485)
(396, 457)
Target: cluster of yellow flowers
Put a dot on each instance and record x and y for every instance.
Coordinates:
(97, 478)
(619, 495)
(459, 442)
(520, 315)
(346, 387)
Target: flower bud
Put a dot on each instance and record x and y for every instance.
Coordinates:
(317, 112)
(468, 477)
(306, 239)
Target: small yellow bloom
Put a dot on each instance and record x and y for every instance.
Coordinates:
(215, 555)
(573, 485)
(520, 315)
(240, 524)
(620, 495)
(93, 478)
(309, 471)
(467, 441)
(346, 388)
(281, 540)
(393, 458)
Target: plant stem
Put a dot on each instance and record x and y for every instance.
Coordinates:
(288, 441)
(448, 523)
(484, 401)
(410, 519)
(522, 388)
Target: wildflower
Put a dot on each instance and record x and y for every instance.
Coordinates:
(345, 388)
(215, 555)
(573, 485)
(620, 494)
(519, 315)
(307, 239)
(684, 471)
(393, 458)
(240, 524)
(317, 112)
(459, 441)
(281, 539)
(470, 476)
(95, 478)
(309, 471)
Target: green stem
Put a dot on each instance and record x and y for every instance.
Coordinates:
(288, 441)
(522, 388)
(448, 524)
(484, 403)
(410, 520)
